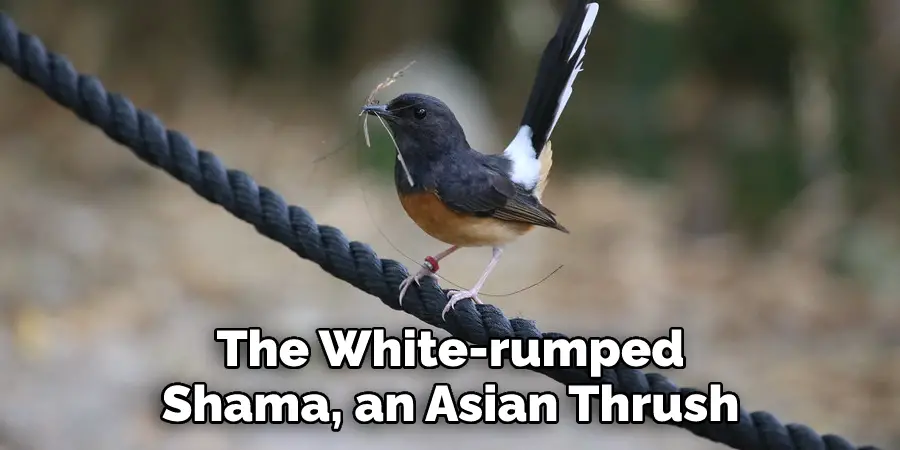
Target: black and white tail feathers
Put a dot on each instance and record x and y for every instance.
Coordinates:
(560, 64)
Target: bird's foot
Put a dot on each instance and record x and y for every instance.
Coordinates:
(428, 270)
(459, 295)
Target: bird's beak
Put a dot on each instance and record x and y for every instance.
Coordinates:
(376, 110)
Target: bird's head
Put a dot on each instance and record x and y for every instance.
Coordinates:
(422, 125)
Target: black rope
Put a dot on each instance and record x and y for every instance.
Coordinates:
(351, 261)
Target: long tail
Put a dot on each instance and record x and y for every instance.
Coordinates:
(560, 63)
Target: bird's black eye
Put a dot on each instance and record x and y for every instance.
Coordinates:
(420, 113)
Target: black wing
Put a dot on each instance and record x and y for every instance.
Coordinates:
(488, 193)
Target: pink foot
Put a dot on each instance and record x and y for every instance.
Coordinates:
(431, 266)
(459, 295)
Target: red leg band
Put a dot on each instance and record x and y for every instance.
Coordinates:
(433, 263)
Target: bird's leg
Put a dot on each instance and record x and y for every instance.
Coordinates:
(428, 270)
(458, 295)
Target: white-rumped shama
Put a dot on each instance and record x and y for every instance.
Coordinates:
(466, 198)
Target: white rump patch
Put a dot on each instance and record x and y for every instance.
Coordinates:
(526, 168)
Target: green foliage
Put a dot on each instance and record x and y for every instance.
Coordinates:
(327, 35)
(646, 69)
(629, 134)
(468, 26)
(762, 181)
(237, 34)
(381, 156)
(845, 19)
(742, 42)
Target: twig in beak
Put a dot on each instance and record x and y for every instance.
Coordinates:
(366, 131)
(399, 155)
(370, 100)
(387, 82)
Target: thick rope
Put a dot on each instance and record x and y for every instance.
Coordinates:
(350, 261)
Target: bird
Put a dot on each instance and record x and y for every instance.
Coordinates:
(466, 198)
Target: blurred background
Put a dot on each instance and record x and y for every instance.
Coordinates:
(727, 167)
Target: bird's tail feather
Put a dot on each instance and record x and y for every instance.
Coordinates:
(546, 160)
(560, 64)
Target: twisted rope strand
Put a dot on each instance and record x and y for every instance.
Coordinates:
(351, 261)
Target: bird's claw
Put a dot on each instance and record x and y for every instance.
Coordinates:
(417, 278)
(459, 295)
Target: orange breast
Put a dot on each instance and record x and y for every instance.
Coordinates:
(451, 227)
